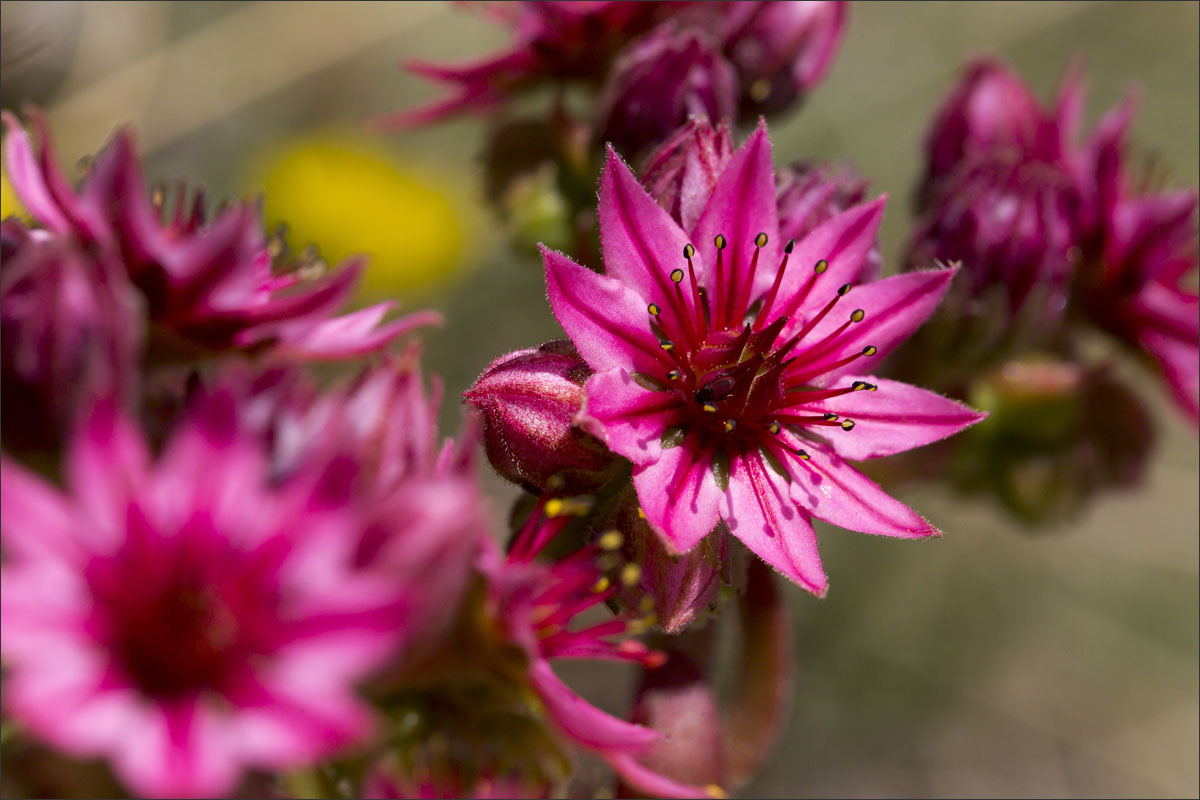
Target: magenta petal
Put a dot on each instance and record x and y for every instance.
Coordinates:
(653, 784)
(641, 243)
(895, 307)
(179, 752)
(625, 416)
(741, 207)
(894, 418)
(354, 334)
(1166, 327)
(833, 491)
(844, 242)
(22, 167)
(35, 518)
(106, 466)
(585, 724)
(679, 496)
(606, 320)
(759, 512)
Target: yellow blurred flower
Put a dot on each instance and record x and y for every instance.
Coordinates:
(348, 196)
(9, 204)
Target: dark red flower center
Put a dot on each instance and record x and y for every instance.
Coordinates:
(736, 382)
(179, 618)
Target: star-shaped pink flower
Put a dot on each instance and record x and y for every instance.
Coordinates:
(733, 369)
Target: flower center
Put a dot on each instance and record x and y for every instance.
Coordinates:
(177, 621)
(735, 376)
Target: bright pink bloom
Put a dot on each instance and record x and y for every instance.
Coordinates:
(736, 385)
(534, 604)
(186, 618)
(528, 400)
(210, 283)
(1137, 282)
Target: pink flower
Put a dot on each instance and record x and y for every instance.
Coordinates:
(209, 283)
(810, 193)
(534, 605)
(186, 618)
(739, 387)
(1137, 279)
(682, 172)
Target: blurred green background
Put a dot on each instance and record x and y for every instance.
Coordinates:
(994, 661)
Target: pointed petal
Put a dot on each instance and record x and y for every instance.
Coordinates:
(582, 722)
(833, 491)
(641, 243)
(108, 462)
(36, 520)
(843, 242)
(179, 752)
(21, 164)
(759, 511)
(627, 417)
(894, 418)
(354, 334)
(742, 206)
(895, 307)
(653, 784)
(606, 320)
(1167, 322)
(679, 495)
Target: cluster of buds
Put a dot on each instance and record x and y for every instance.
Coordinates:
(648, 67)
(1054, 237)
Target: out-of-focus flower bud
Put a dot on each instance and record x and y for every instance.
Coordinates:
(1013, 227)
(990, 110)
(670, 74)
(781, 50)
(677, 700)
(528, 400)
(70, 330)
(681, 172)
(1058, 433)
(810, 193)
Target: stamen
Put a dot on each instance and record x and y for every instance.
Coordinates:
(870, 350)
(654, 309)
(774, 428)
(719, 241)
(830, 416)
(797, 301)
(611, 540)
(740, 301)
(709, 408)
(674, 375)
(847, 424)
(730, 425)
(697, 302)
(765, 311)
(860, 386)
(630, 574)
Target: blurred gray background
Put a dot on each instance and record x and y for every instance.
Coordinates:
(994, 661)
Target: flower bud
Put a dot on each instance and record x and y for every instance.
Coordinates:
(781, 50)
(682, 171)
(661, 80)
(809, 193)
(990, 109)
(528, 400)
(70, 333)
(1012, 225)
(1058, 434)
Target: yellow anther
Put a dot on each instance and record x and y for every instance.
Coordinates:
(774, 428)
(730, 425)
(646, 604)
(857, 315)
(553, 507)
(641, 513)
(821, 266)
(709, 407)
(630, 574)
(653, 309)
(715, 792)
(719, 241)
(601, 585)
(677, 275)
(688, 251)
(611, 540)
(870, 350)
(760, 240)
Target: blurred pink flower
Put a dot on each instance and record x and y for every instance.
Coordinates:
(720, 422)
(534, 604)
(70, 331)
(210, 284)
(187, 618)
(1137, 278)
